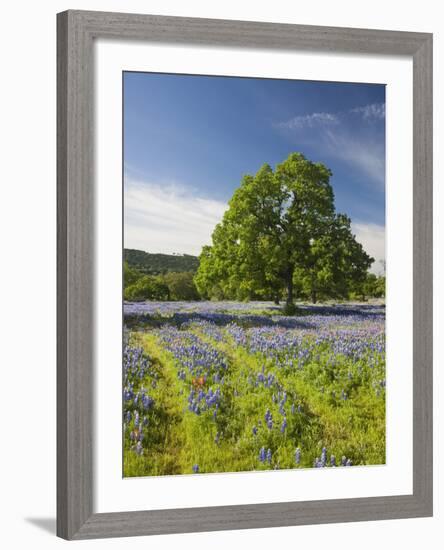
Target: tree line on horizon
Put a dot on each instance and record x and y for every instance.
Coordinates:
(280, 239)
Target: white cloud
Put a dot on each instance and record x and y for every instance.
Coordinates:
(166, 219)
(370, 112)
(334, 133)
(372, 238)
(313, 120)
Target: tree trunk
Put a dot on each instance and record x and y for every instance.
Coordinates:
(314, 296)
(276, 300)
(290, 286)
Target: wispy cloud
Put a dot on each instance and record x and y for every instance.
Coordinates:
(313, 120)
(168, 219)
(372, 238)
(365, 154)
(374, 111)
(340, 136)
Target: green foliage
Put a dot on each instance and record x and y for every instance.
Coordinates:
(336, 263)
(372, 286)
(147, 288)
(171, 286)
(138, 285)
(130, 275)
(378, 290)
(181, 286)
(157, 264)
(281, 234)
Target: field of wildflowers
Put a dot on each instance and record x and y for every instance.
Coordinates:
(229, 386)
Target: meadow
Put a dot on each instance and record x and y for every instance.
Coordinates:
(234, 386)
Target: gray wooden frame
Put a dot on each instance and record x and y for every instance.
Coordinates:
(76, 32)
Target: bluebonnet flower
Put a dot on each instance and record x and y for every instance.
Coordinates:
(269, 419)
(284, 425)
(324, 456)
(127, 394)
(262, 454)
(138, 448)
(297, 455)
(147, 401)
(269, 456)
(254, 430)
(195, 468)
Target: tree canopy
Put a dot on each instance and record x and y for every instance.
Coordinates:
(181, 286)
(281, 235)
(137, 286)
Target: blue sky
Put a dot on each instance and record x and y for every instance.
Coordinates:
(188, 140)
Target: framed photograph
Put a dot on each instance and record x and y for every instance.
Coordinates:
(244, 275)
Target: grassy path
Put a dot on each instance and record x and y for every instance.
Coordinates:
(166, 434)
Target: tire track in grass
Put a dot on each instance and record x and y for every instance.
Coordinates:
(348, 428)
(191, 438)
(251, 403)
(165, 458)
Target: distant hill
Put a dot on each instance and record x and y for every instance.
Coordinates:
(156, 264)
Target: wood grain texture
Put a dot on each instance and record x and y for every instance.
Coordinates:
(226, 33)
(75, 276)
(423, 273)
(62, 294)
(76, 32)
(256, 516)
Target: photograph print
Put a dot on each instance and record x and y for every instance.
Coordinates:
(253, 274)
